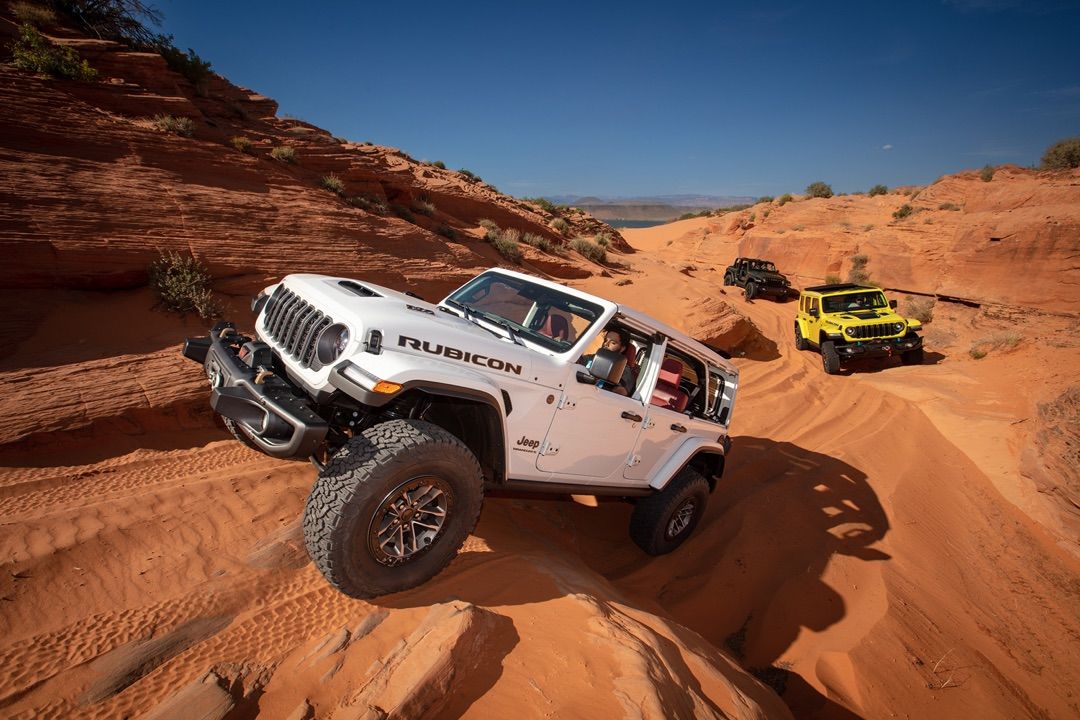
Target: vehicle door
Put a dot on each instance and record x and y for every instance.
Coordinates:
(665, 429)
(591, 433)
(813, 319)
(741, 270)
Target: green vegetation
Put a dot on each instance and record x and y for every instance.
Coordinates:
(538, 241)
(878, 190)
(819, 189)
(589, 249)
(241, 143)
(691, 215)
(832, 279)
(489, 225)
(560, 225)
(424, 206)
(333, 183)
(179, 125)
(603, 239)
(765, 213)
(439, 164)
(948, 206)
(446, 231)
(284, 153)
(34, 52)
(469, 175)
(857, 274)
(752, 218)
(507, 242)
(370, 204)
(987, 173)
(902, 212)
(765, 199)
(403, 212)
(189, 64)
(1062, 155)
(32, 13)
(183, 285)
(545, 204)
(784, 199)
(920, 308)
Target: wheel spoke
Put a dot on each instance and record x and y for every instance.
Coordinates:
(409, 520)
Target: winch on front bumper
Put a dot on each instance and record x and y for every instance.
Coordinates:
(878, 348)
(278, 419)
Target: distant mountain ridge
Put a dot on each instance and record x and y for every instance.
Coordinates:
(654, 208)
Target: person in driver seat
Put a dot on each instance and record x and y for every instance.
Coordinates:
(616, 340)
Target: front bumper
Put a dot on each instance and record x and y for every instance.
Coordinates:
(279, 419)
(775, 290)
(878, 348)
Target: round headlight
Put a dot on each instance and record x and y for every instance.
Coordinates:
(849, 331)
(898, 326)
(332, 343)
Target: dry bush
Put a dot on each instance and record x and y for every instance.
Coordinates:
(32, 13)
(507, 246)
(537, 241)
(1002, 340)
(589, 249)
(182, 126)
(241, 143)
(1062, 155)
(920, 308)
(560, 225)
(369, 204)
(333, 183)
(284, 153)
(424, 206)
(489, 225)
(183, 285)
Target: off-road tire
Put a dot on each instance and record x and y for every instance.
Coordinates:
(651, 524)
(830, 359)
(751, 290)
(912, 357)
(728, 279)
(234, 428)
(801, 343)
(370, 468)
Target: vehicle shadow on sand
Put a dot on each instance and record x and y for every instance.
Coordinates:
(749, 580)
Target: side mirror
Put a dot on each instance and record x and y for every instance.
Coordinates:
(606, 365)
(892, 304)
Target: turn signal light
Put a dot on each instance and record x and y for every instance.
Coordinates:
(386, 388)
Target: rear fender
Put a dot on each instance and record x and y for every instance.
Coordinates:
(691, 452)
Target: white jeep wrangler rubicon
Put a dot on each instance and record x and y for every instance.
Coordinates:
(409, 410)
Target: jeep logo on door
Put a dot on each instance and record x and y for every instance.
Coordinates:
(526, 445)
(455, 354)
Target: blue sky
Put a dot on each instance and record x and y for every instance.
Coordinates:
(649, 98)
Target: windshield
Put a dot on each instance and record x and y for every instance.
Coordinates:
(854, 301)
(763, 265)
(550, 318)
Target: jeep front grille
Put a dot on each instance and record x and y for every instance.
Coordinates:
(294, 325)
(864, 332)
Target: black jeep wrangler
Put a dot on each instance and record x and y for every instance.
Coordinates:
(757, 277)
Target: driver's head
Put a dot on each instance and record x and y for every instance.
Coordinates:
(616, 339)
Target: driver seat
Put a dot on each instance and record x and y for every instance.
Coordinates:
(556, 327)
(668, 394)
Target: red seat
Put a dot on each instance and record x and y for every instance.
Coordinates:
(668, 394)
(556, 327)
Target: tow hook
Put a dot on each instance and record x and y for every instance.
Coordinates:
(260, 378)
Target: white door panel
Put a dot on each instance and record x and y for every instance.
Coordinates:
(592, 433)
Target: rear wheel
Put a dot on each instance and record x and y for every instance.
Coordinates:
(751, 290)
(830, 359)
(801, 343)
(663, 521)
(392, 508)
(728, 280)
(912, 357)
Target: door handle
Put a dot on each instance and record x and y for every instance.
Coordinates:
(627, 415)
(678, 428)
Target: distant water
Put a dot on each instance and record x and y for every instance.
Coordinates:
(635, 223)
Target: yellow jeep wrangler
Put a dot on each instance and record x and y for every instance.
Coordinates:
(847, 321)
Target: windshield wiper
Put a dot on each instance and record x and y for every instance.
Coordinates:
(505, 325)
(465, 309)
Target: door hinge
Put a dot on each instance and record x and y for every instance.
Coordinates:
(566, 403)
(633, 461)
(549, 449)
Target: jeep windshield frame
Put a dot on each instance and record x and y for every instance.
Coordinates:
(848, 302)
(523, 309)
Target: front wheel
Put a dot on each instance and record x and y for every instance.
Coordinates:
(751, 290)
(728, 280)
(801, 343)
(830, 359)
(663, 521)
(912, 357)
(392, 508)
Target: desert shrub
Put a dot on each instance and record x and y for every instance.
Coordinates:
(284, 153)
(765, 213)
(878, 190)
(784, 199)
(469, 175)
(537, 241)
(902, 212)
(507, 243)
(752, 217)
(183, 285)
(818, 189)
(1003, 340)
(832, 279)
(424, 206)
(603, 239)
(189, 64)
(178, 125)
(369, 204)
(765, 199)
(332, 183)
(560, 225)
(241, 143)
(723, 210)
(987, 173)
(589, 249)
(439, 164)
(545, 204)
(948, 206)
(34, 52)
(1062, 155)
(920, 308)
(32, 13)
(489, 225)
(857, 274)
(446, 231)
(403, 212)
(121, 20)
